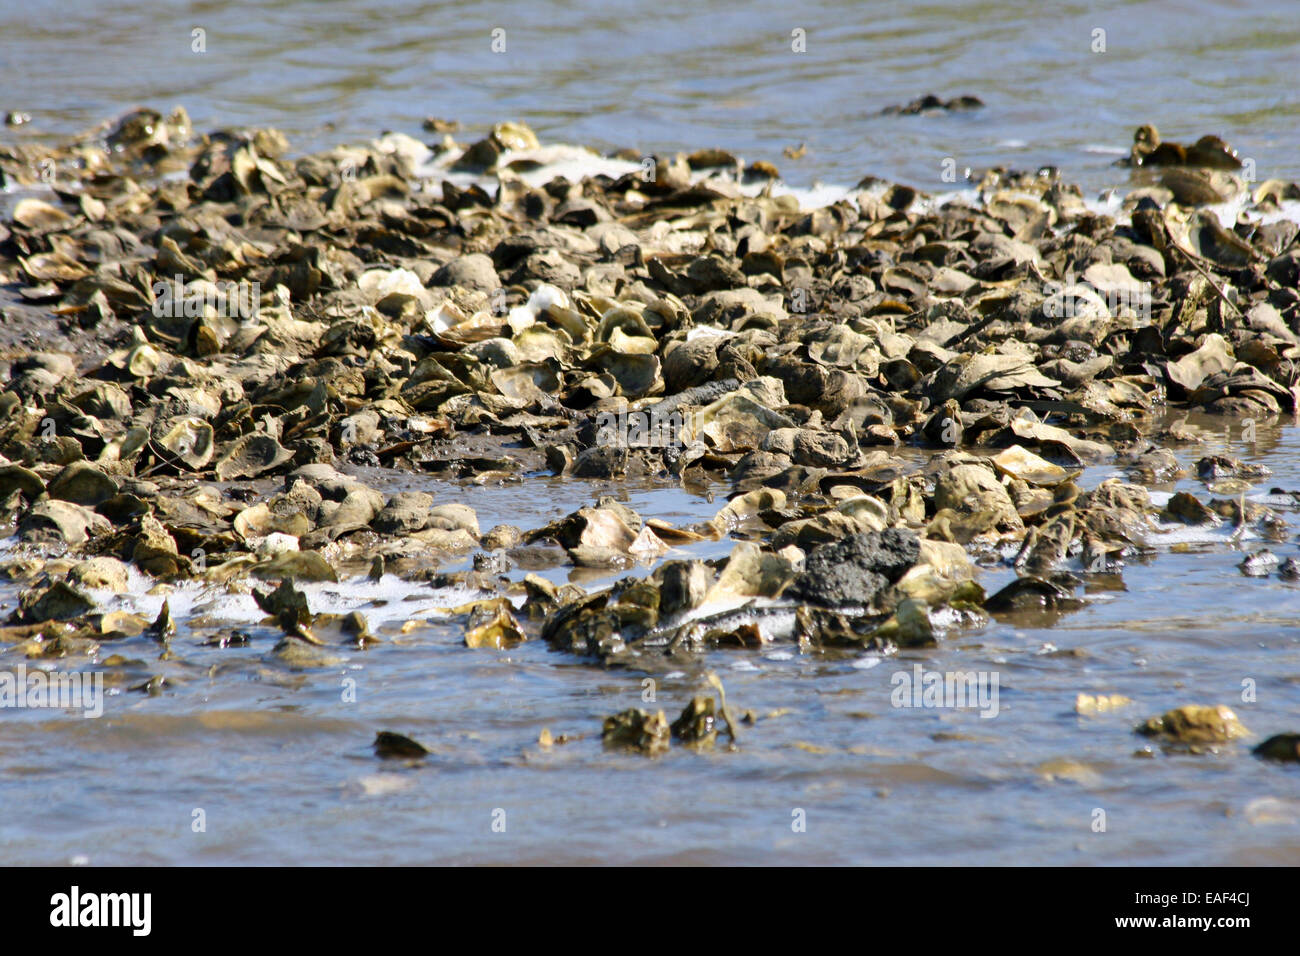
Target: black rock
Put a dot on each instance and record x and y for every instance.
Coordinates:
(389, 744)
(1280, 747)
(853, 570)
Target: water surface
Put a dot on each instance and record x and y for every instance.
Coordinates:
(684, 74)
(282, 768)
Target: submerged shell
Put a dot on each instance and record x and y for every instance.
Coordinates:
(1195, 725)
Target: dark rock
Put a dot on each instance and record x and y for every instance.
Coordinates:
(853, 570)
(1285, 747)
(389, 744)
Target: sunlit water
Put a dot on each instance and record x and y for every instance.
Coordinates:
(283, 770)
(685, 74)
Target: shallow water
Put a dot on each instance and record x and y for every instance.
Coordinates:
(283, 770)
(689, 75)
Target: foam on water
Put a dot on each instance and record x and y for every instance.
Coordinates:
(389, 600)
(1172, 535)
(574, 163)
(1104, 149)
(537, 167)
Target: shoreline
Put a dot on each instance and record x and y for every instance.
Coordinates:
(1006, 345)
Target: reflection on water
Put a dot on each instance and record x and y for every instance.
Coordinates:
(280, 761)
(691, 75)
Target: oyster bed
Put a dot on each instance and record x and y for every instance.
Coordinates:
(267, 418)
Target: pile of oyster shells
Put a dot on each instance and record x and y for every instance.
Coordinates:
(205, 334)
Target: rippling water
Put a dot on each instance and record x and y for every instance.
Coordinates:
(686, 74)
(282, 768)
